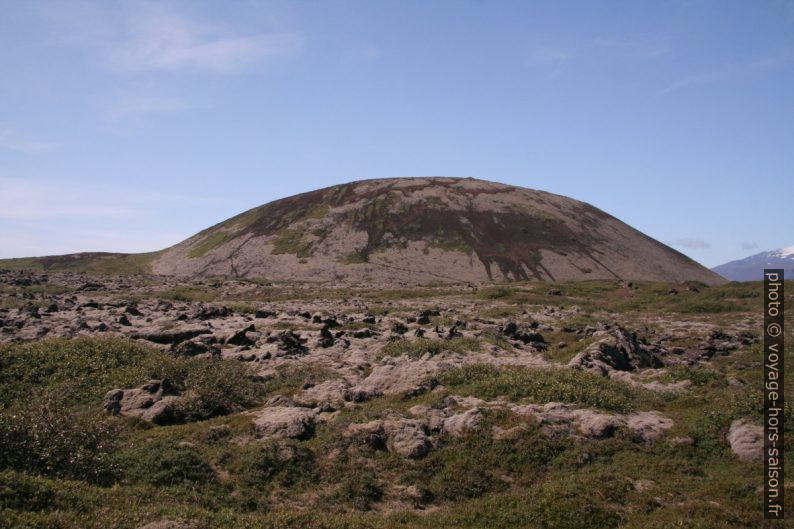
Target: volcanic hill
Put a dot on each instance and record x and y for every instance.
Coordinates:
(424, 230)
(408, 230)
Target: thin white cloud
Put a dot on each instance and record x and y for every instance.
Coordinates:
(128, 105)
(31, 200)
(157, 39)
(647, 47)
(24, 200)
(144, 36)
(12, 140)
(749, 245)
(557, 59)
(730, 71)
(692, 243)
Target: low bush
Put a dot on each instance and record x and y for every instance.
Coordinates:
(45, 437)
(418, 348)
(81, 371)
(161, 463)
(541, 385)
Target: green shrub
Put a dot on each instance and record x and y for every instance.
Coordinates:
(81, 371)
(565, 501)
(541, 385)
(45, 437)
(477, 464)
(161, 463)
(712, 424)
(214, 387)
(495, 293)
(699, 376)
(417, 348)
(282, 463)
(360, 490)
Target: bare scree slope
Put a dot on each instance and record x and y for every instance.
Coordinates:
(423, 230)
(408, 230)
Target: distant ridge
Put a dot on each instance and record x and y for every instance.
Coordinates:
(752, 268)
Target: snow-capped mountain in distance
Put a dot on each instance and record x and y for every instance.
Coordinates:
(752, 268)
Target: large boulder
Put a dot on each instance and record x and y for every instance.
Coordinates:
(460, 423)
(597, 425)
(405, 437)
(292, 422)
(397, 375)
(156, 402)
(617, 350)
(747, 440)
(245, 337)
(289, 343)
(649, 425)
(327, 396)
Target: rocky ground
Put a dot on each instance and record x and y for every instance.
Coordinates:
(387, 408)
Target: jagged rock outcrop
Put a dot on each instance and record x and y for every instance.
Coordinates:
(617, 350)
(156, 402)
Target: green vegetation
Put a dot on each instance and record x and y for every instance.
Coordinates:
(96, 263)
(318, 211)
(79, 372)
(290, 241)
(209, 243)
(242, 307)
(22, 263)
(64, 463)
(422, 346)
(51, 421)
(699, 376)
(538, 385)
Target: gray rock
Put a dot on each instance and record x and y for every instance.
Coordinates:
(246, 336)
(286, 421)
(461, 423)
(746, 439)
(617, 350)
(398, 375)
(649, 425)
(407, 438)
(156, 402)
(597, 425)
(330, 395)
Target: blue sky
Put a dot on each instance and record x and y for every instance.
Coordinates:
(129, 126)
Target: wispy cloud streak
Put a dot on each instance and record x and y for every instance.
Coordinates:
(730, 71)
(28, 200)
(157, 39)
(12, 140)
